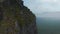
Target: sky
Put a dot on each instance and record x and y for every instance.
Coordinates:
(39, 7)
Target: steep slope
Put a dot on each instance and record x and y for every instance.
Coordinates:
(16, 18)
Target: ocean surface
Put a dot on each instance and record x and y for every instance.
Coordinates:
(48, 25)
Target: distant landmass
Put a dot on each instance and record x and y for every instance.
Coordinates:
(51, 14)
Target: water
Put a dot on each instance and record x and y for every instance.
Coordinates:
(48, 26)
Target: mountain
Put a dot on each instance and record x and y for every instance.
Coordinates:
(15, 18)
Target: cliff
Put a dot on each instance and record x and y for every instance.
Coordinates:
(15, 18)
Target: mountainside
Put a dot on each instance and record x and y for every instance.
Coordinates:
(15, 18)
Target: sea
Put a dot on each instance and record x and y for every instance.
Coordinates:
(48, 25)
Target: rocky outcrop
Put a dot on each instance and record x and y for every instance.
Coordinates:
(15, 18)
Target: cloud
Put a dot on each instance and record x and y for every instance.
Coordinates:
(41, 6)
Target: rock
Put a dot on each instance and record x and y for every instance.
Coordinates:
(16, 18)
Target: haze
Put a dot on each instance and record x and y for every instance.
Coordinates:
(42, 6)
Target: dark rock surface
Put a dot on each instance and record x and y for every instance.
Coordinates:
(15, 18)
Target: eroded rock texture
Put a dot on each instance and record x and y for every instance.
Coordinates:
(15, 18)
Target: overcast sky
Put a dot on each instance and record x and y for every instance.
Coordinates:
(43, 6)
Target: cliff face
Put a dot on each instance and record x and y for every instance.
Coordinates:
(15, 18)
